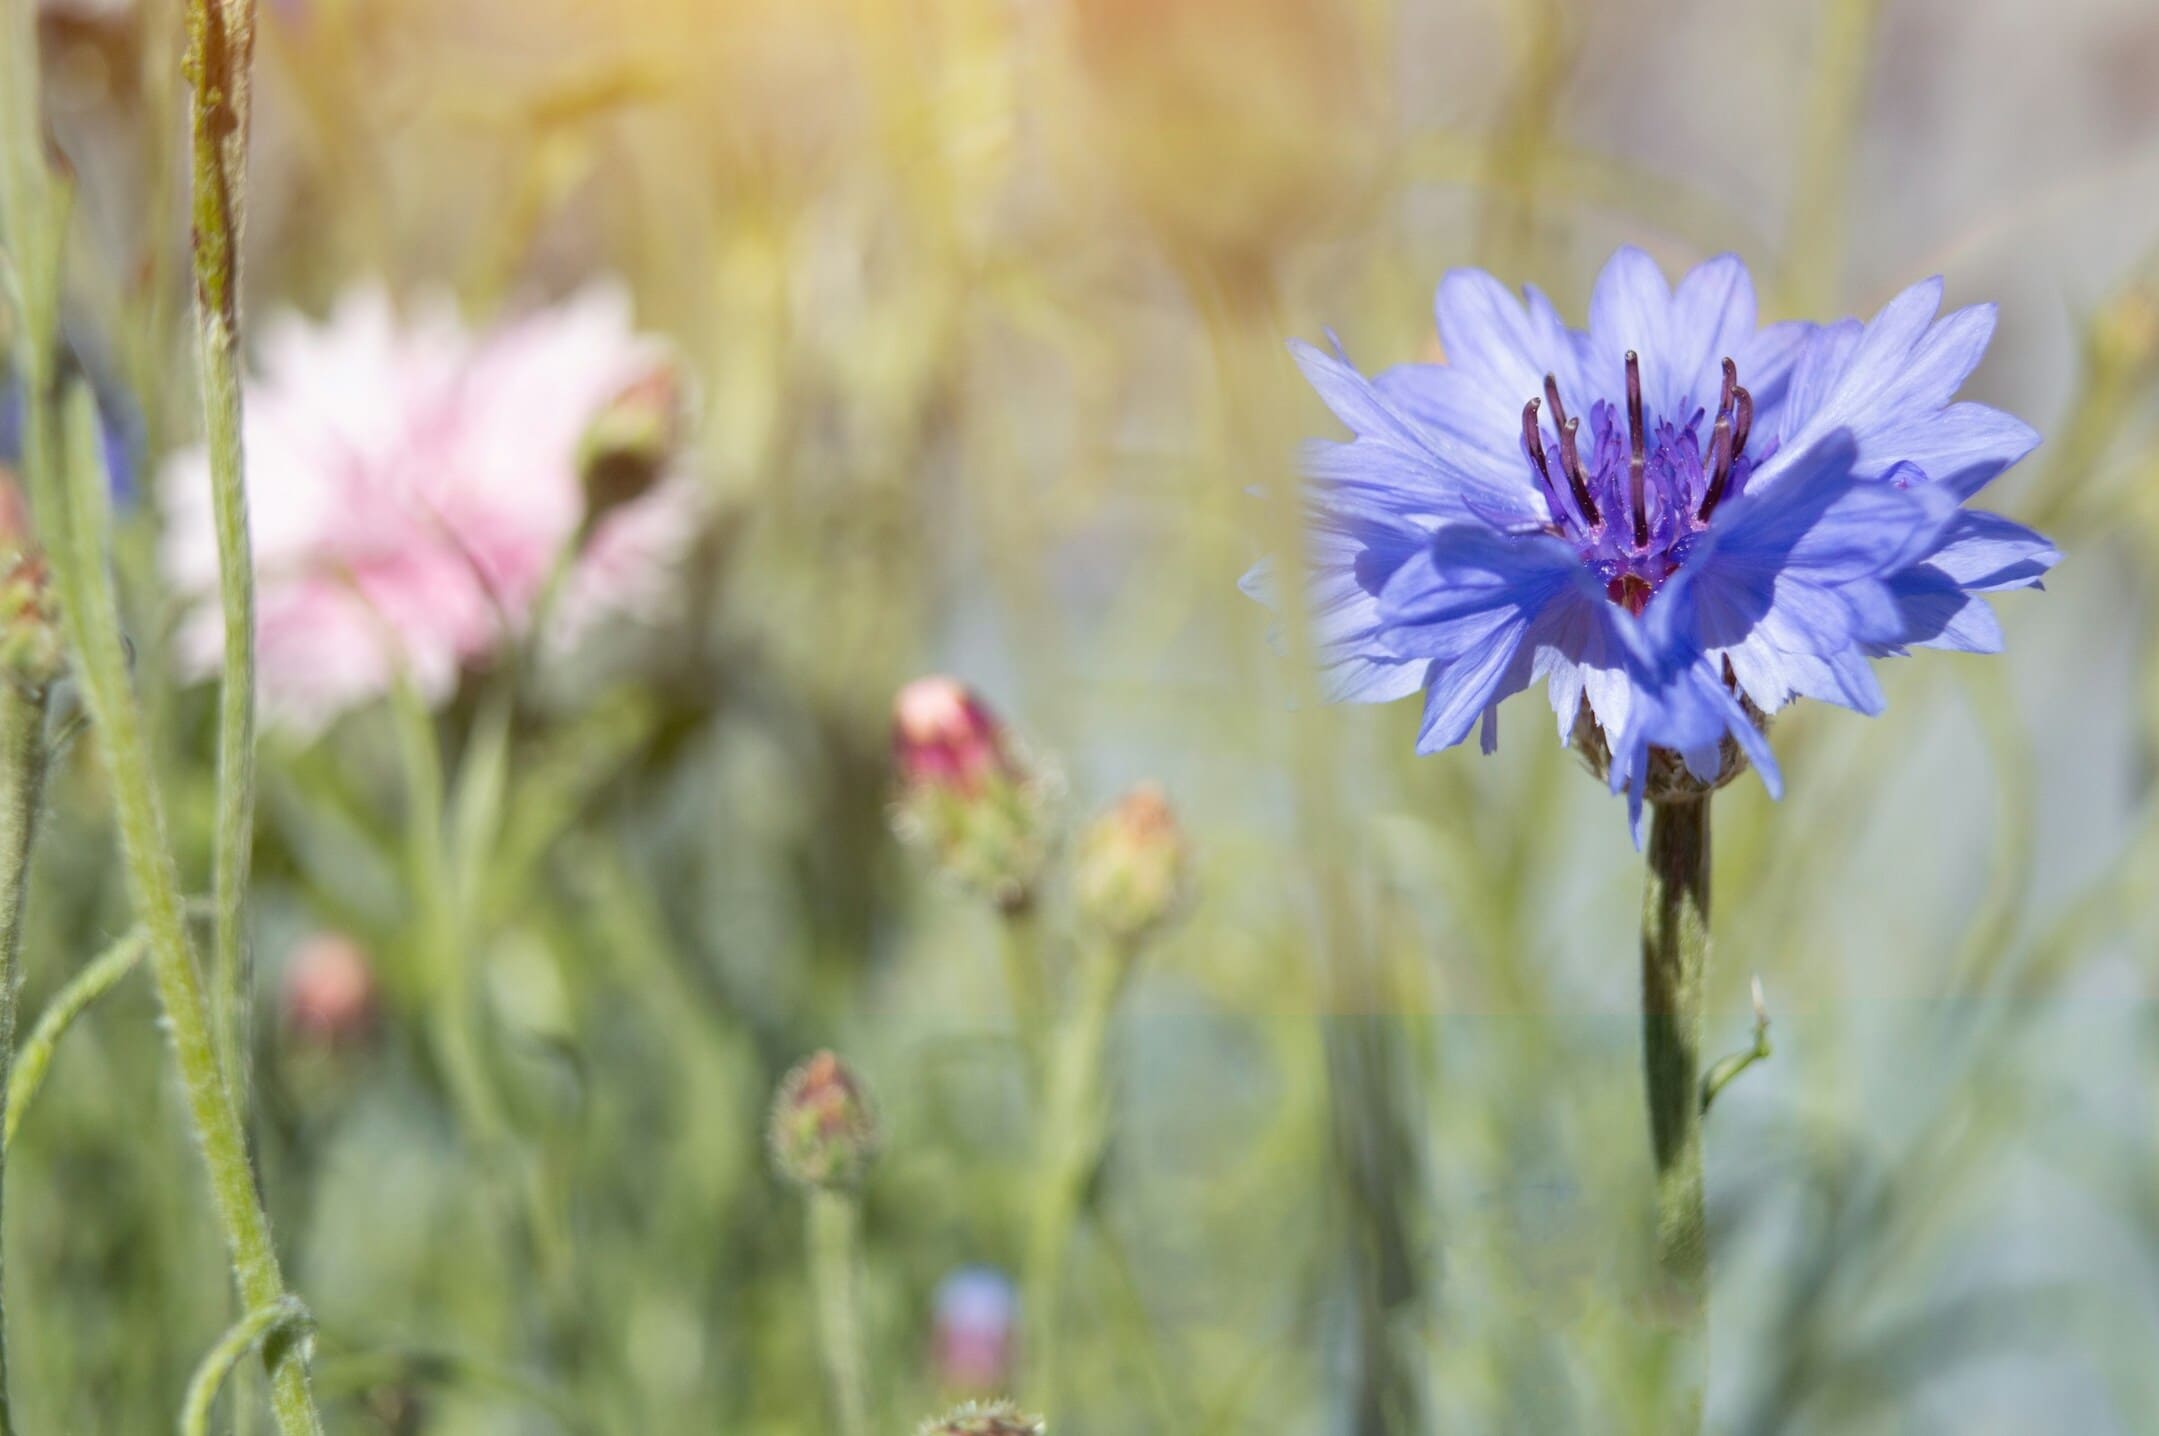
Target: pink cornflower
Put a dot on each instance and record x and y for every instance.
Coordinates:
(413, 488)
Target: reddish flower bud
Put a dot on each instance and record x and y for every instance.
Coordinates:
(329, 997)
(1131, 872)
(1000, 1418)
(966, 796)
(823, 1132)
(943, 734)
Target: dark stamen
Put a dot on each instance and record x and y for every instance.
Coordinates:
(1720, 461)
(1534, 438)
(1744, 421)
(1720, 443)
(1637, 456)
(1571, 455)
(1551, 393)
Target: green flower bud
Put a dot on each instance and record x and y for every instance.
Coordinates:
(999, 1418)
(29, 630)
(1131, 873)
(823, 1132)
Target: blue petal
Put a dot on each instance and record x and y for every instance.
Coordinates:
(1465, 603)
(1984, 552)
(1503, 348)
(1888, 385)
(1934, 611)
(1682, 336)
(1433, 467)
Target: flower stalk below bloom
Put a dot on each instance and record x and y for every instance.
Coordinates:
(1074, 1127)
(1675, 961)
(834, 1238)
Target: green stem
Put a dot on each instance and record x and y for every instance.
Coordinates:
(220, 34)
(834, 1234)
(284, 1318)
(1020, 943)
(218, 65)
(446, 966)
(91, 612)
(1675, 961)
(1073, 1129)
(22, 783)
(97, 978)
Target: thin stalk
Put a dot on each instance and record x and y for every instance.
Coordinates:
(97, 978)
(1675, 962)
(221, 37)
(22, 784)
(1073, 1129)
(1019, 940)
(453, 1018)
(834, 1236)
(286, 1318)
(91, 613)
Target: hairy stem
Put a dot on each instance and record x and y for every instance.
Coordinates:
(220, 40)
(97, 978)
(1073, 1129)
(92, 616)
(22, 783)
(1675, 961)
(834, 1234)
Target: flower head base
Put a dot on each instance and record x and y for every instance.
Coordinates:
(999, 1418)
(823, 1133)
(1751, 516)
(985, 815)
(1131, 870)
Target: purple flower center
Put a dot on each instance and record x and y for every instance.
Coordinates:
(1635, 500)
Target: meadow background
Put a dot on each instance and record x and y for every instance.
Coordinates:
(981, 303)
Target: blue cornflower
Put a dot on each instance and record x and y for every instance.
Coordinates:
(1567, 505)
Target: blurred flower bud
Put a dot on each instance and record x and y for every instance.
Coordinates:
(944, 735)
(1132, 870)
(30, 651)
(985, 816)
(1000, 1418)
(630, 442)
(329, 991)
(823, 1132)
(974, 1316)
